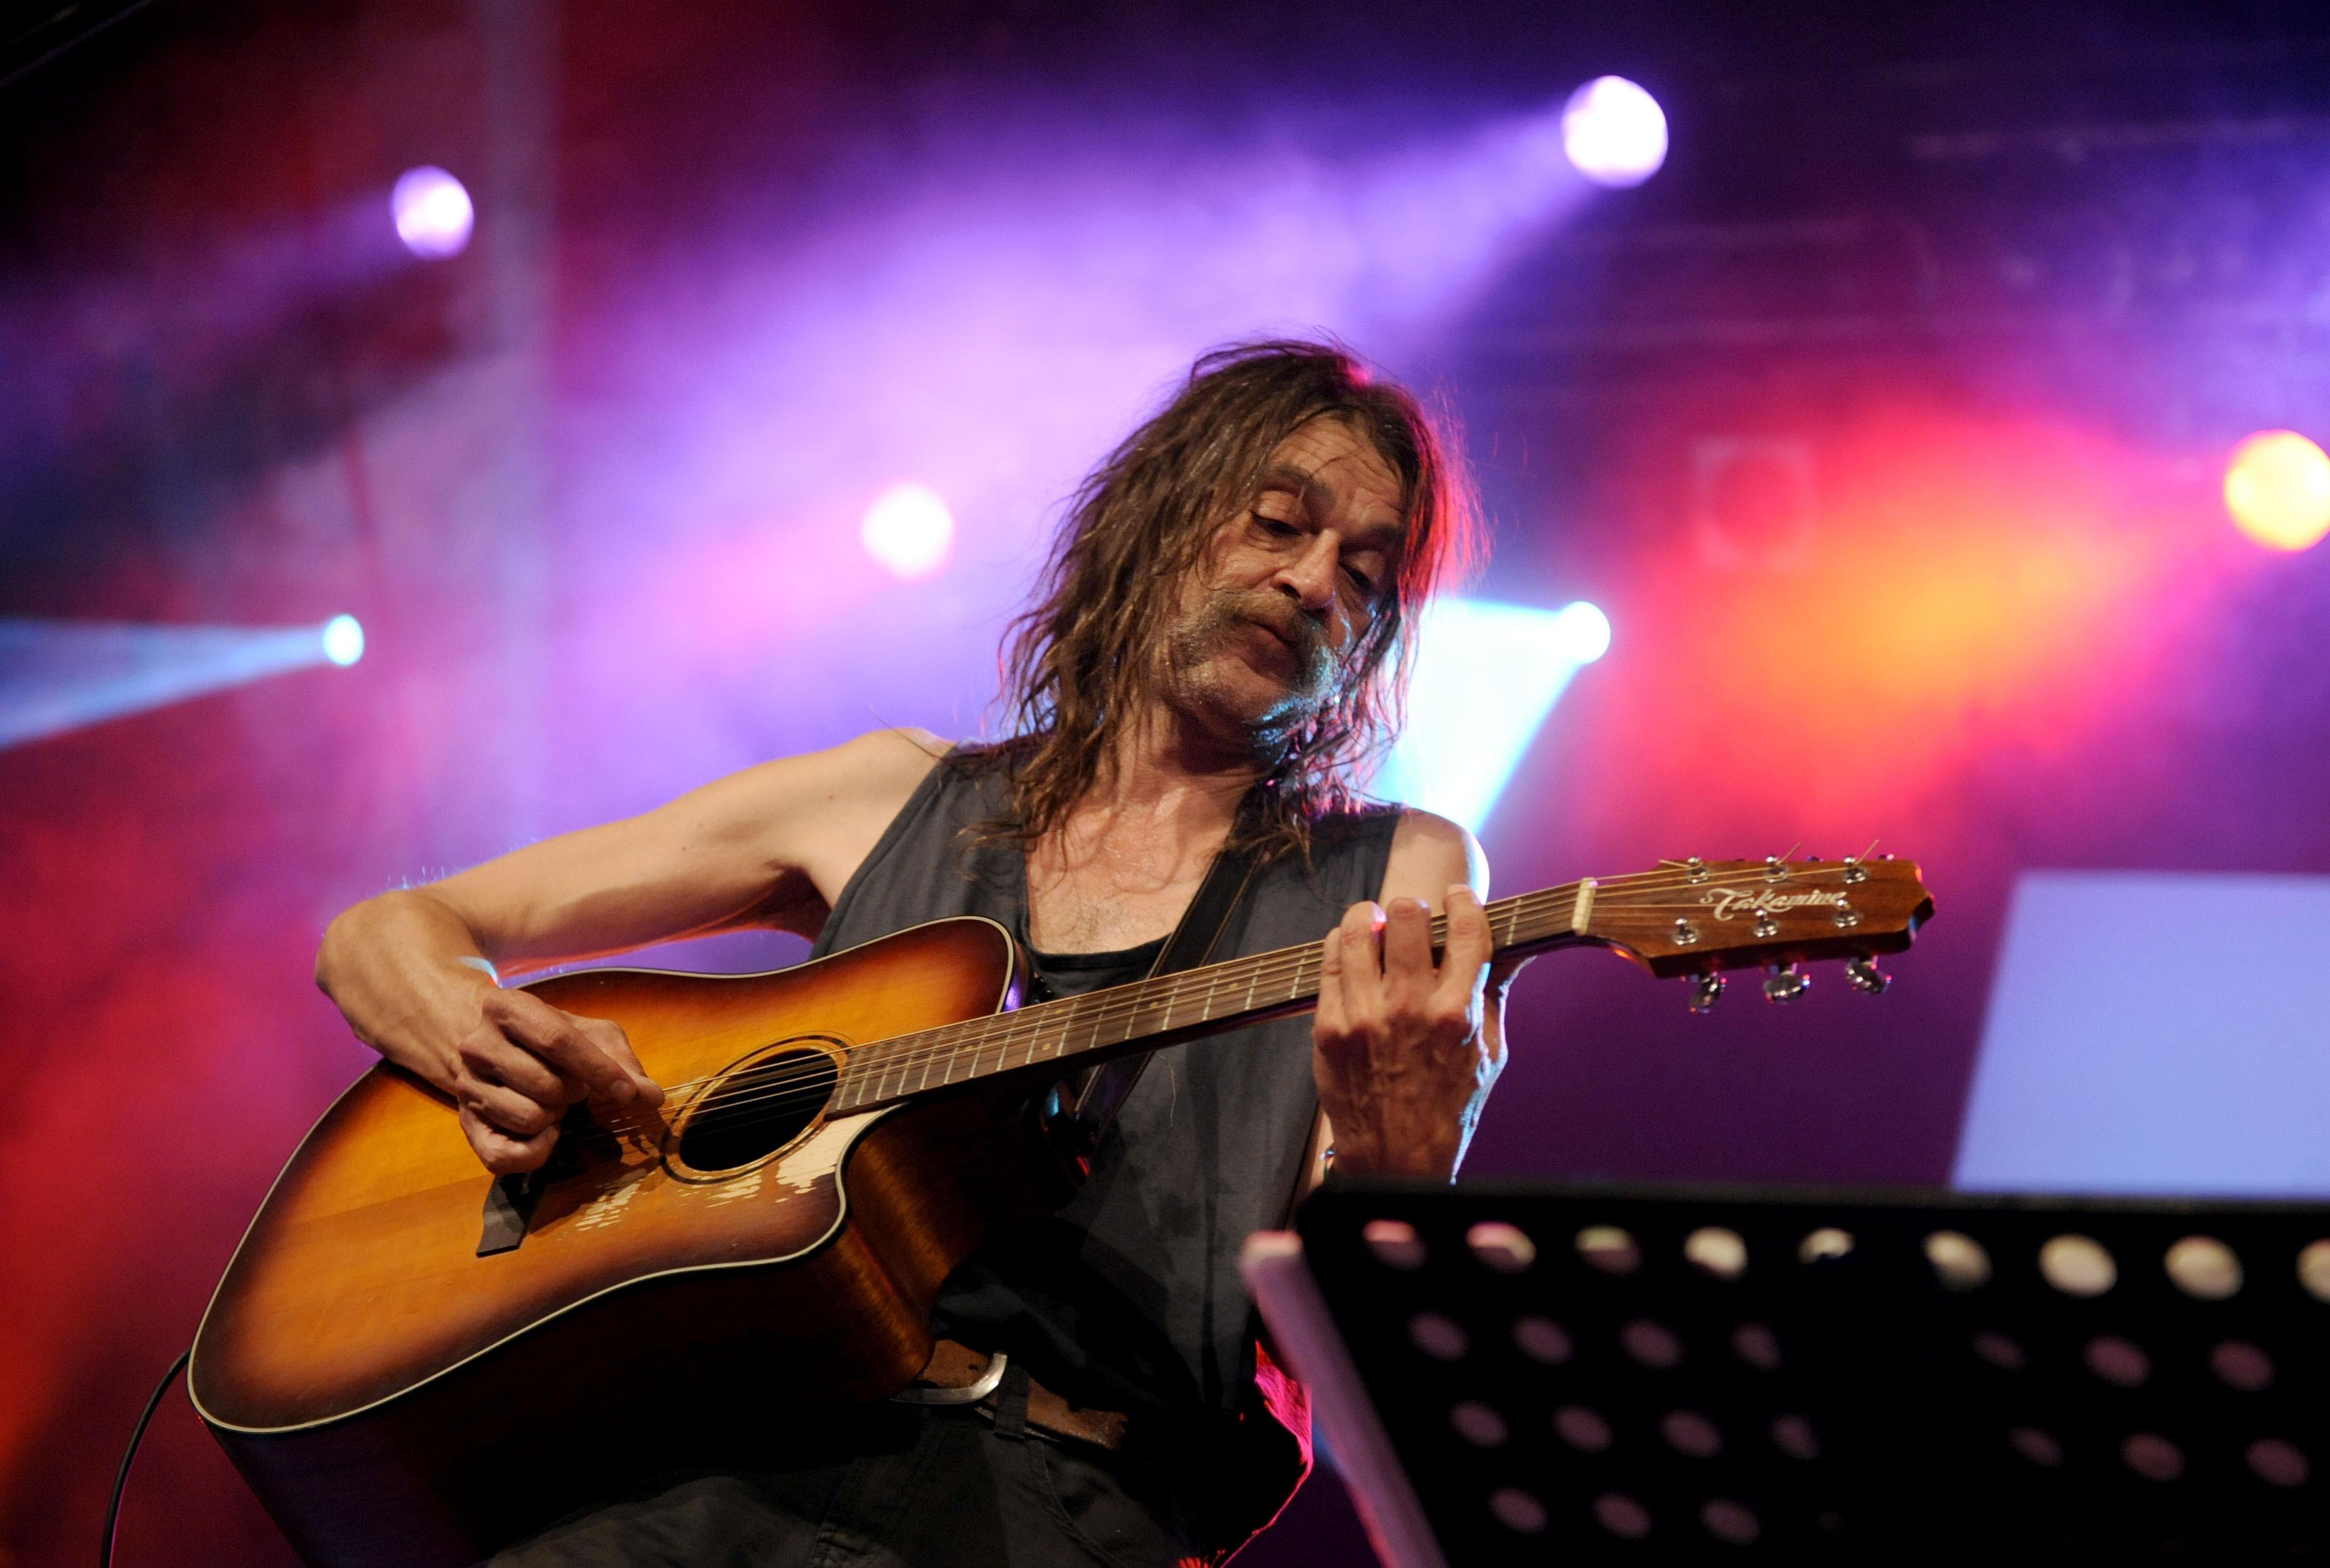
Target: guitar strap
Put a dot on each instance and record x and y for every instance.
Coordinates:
(1091, 1101)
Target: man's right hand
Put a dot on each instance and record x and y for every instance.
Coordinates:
(524, 1063)
(770, 846)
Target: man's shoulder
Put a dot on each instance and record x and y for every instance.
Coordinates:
(822, 812)
(1421, 849)
(902, 750)
(1429, 850)
(1407, 822)
(873, 774)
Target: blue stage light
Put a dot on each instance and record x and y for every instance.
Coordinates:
(1585, 631)
(62, 674)
(344, 639)
(1486, 676)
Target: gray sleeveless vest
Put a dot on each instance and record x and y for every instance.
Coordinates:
(1129, 1299)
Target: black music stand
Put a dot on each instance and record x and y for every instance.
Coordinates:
(1598, 1374)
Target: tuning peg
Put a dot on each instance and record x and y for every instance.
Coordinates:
(1785, 983)
(1706, 991)
(1865, 977)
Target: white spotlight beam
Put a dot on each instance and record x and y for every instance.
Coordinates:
(1486, 676)
(62, 674)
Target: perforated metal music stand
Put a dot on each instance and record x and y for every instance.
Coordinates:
(1629, 1374)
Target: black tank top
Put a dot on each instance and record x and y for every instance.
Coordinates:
(1129, 1299)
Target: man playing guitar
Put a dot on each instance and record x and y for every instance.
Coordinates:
(1220, 638)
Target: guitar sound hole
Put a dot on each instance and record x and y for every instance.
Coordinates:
(757, 1111)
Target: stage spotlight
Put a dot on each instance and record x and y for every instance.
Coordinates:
(1613, 132)
(1486, 676)
(433, 211)
(57, 676)
(1584, 632)
(342, 640)
(909, 530)
(2277, 489)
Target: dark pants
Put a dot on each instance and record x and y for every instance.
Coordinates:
(913, 1487)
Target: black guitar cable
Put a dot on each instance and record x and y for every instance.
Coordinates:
(113, 1504)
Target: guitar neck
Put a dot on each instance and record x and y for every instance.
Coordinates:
(1164, 1011)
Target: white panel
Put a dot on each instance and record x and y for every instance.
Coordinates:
(2157, 1033)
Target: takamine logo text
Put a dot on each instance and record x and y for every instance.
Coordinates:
(1726, 902)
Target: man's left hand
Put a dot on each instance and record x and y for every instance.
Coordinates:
(1404, 1050)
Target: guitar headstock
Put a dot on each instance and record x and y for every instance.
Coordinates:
(1698, 917)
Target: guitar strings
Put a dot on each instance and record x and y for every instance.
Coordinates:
(884, 1056)
(1021, 1028)
(1013, 1030)
(1509, 915)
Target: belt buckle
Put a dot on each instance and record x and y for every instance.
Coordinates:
(968, 1393)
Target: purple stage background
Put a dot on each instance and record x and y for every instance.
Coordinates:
(1887, 423)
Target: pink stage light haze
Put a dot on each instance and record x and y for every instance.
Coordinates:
(433, 214)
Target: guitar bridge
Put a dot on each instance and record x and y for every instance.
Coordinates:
(509, 1204)
(511, 1201)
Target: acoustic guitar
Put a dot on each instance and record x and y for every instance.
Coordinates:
(414, 1362)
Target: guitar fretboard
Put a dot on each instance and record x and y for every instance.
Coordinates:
(1149, 1014)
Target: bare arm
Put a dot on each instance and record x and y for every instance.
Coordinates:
(1404, 1050)
(413, 970)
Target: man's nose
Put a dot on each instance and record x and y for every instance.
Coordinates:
(1309, 577)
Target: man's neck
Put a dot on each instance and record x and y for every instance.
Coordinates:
(1172, 774)
(1119, 869)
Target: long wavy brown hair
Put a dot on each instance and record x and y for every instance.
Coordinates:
(1089, 652)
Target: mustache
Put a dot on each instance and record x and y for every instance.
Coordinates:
(1314, 657)
(1297, 630)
